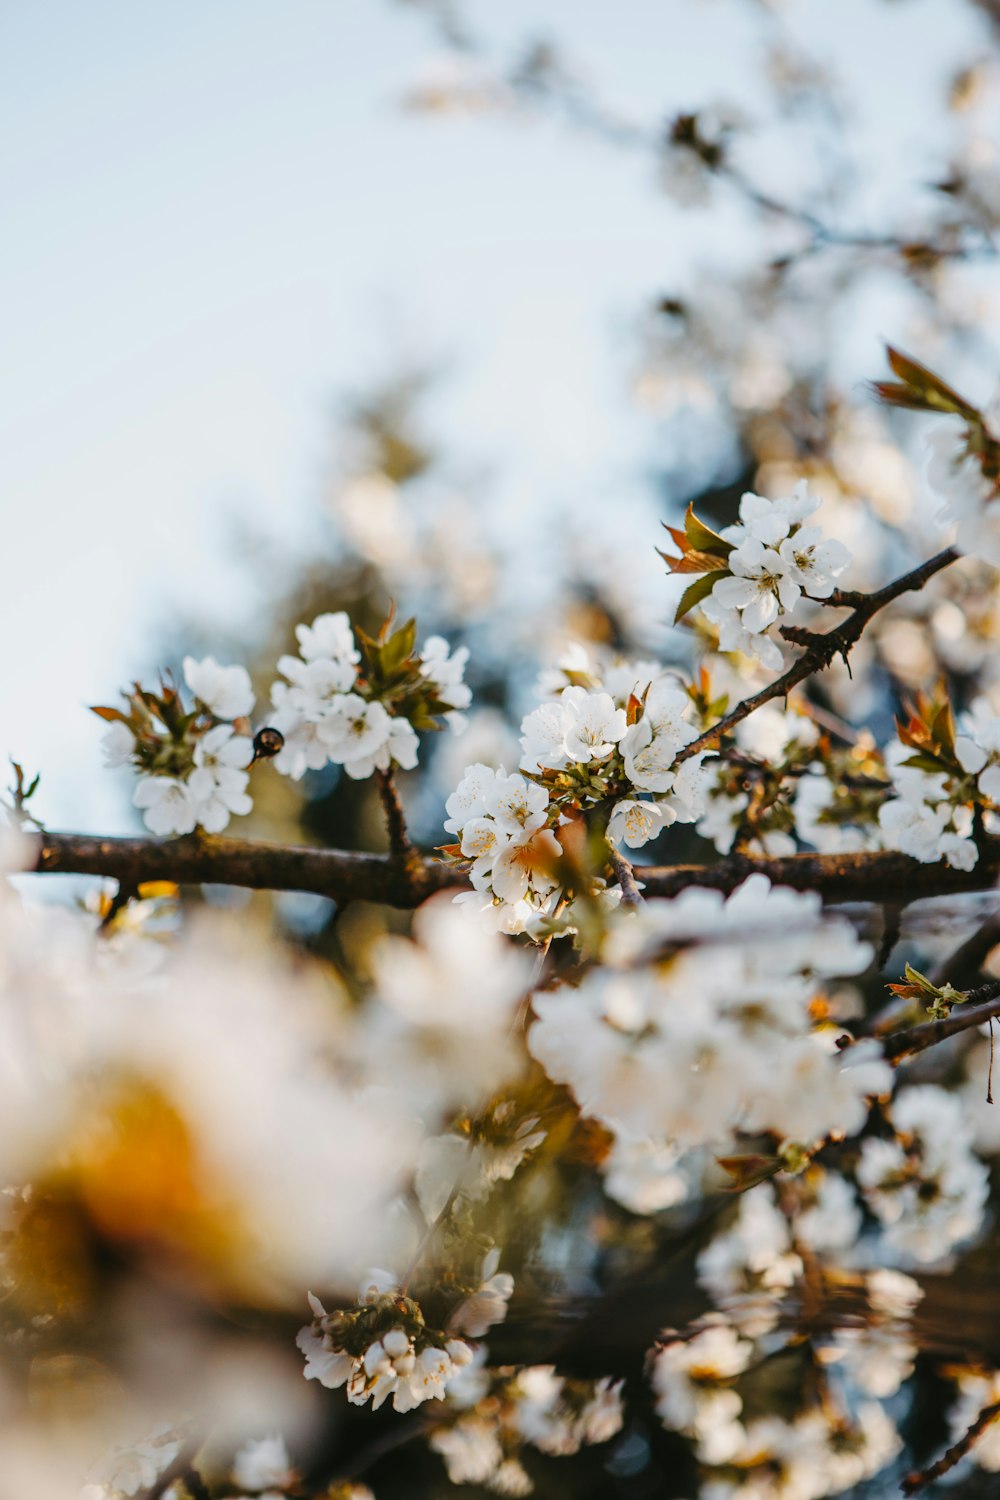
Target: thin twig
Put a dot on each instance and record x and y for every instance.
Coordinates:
(625, 875)
(967, 960)
(982, 1005)
(590, 115)
(395, 818)
(398, 1435)
(821, 649)
(989, 1079)
(920, 1478)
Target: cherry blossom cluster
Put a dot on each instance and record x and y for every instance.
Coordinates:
(698, 1028)
(826, 1448)
(592, 745)
(781, 785)
(751, 1267)
(348, 699)
(497, 1413)
(757, 570)
(193, 761)
(941, 783)
(836, 805)
(704, 1378)
(502, 823)
(910, 1195)
(924, 1183)
(749, 799)
(263, 1467)
(381, 1348)
(586, 746)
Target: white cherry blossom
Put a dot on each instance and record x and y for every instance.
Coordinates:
(649, 758)
(400, 747)
(735, 637)
(524, 867)
(927, 832)
(978, 747)
(814, 564)
(971, 502)
(117, 745)
(770, 521)
(264, 1463)
(761, 587)
(635, 823)
(594, 725)
(482, 840)
(518, 806)
(445, 668)
(487, 1306)
(225, 691)
(643, 1175)
(315, 688)
(168, 805)
(329, 636)
(354, 728)
(468, 800)
(543, 736)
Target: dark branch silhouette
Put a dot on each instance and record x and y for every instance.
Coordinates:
(405, 881)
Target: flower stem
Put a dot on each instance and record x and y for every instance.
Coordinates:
(395, 820)
(625, 875)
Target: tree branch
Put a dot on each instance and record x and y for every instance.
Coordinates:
(822, 648)
(404, 882)
(967, 960)
(395, 818)
(982, 1005)
(625, 876)
(200, 859)
(922, 1477)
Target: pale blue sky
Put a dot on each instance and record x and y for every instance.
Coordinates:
(217, 219)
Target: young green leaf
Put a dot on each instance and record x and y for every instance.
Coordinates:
(697, 591)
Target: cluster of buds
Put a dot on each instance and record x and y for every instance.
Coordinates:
(193, 760)
(357, 701)
(381, 1348)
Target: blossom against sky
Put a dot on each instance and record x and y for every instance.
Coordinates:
(224, 218)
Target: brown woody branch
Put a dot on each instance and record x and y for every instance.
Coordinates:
(821, 649)
(922, 1477)
(395, 818)
(201, 859)
(982, 1005)
(966, 962)
(625, 876)
(204, 859)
